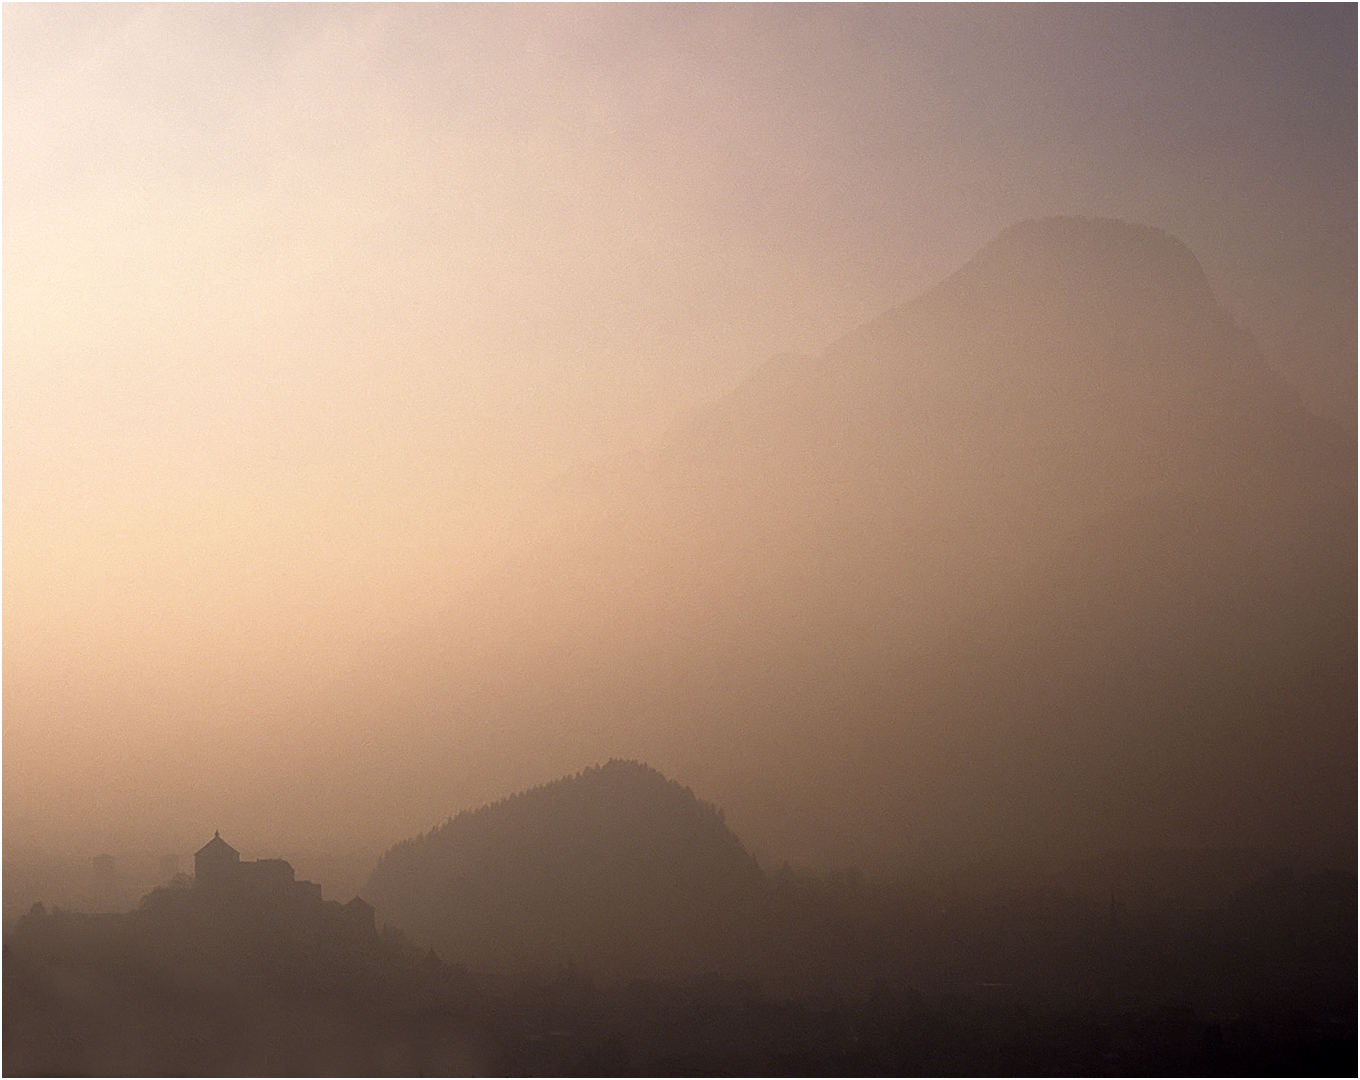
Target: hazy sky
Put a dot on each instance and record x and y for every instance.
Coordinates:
(304, 304)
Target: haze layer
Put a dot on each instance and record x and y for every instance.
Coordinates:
(340, 344)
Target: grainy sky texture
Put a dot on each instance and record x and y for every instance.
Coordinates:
(306, 306)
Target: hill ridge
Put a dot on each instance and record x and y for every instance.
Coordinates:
(587, 868)
(612, 767)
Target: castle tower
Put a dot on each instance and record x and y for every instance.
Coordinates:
(216, 863)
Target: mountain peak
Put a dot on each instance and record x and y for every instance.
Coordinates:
(1106, 266)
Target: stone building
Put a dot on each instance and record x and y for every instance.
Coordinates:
(219, 869)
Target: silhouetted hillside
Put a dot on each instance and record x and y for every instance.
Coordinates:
(616, 868)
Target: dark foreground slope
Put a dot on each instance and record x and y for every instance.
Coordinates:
(98, 996)
(1206, 964)
(616, 868)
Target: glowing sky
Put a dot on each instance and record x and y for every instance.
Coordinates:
(305, 306)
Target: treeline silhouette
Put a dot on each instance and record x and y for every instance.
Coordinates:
(1018, 982)
(677, 955)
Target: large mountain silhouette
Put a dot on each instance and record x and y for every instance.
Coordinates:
(615, 867)
(1046, 560)
(1095, 560)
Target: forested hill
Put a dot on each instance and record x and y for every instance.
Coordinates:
(616, 867)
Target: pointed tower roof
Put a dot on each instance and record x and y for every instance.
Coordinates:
(218, 847)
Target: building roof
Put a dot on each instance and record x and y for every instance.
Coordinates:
(217, 847)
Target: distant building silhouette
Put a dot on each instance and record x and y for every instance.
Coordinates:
(103, 869)
(216, 862)
(233, 895)
(218, 870)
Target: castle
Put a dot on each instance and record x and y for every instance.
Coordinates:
(219, 871)
(266, 889)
